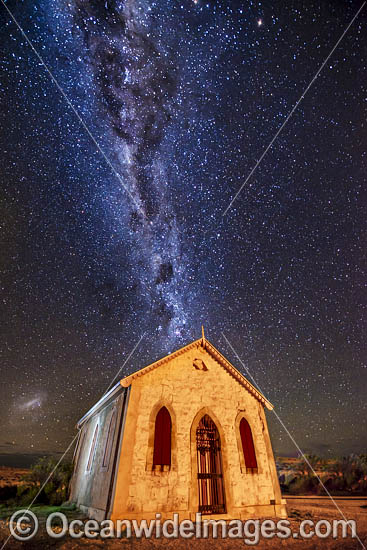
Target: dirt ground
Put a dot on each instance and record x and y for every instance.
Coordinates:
(298, 510)
(11, 476)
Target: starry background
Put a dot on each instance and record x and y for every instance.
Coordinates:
(101, 244)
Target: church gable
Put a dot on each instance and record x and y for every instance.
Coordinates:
(198, 357)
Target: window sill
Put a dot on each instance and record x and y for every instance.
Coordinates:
(161, 468)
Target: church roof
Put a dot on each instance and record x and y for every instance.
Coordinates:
(216, 355)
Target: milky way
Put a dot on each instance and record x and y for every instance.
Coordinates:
(102, 244)
(136, 83)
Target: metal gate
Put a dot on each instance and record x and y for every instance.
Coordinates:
(210, 474)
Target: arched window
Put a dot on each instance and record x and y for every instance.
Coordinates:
(109, 441)
(162, 439)
(92, 449)
(248, 445)
(79, 448)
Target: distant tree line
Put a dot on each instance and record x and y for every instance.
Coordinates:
(340, 476)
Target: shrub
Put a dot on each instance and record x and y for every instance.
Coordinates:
(54, 480)
(8, 492)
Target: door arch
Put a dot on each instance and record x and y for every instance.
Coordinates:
(209, 468)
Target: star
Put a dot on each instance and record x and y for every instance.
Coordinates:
(100, 245)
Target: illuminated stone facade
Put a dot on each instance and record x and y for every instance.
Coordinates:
(190, 383)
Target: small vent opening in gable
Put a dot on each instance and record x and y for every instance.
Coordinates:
(200, 365)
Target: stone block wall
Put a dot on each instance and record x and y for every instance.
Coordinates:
(189, 393)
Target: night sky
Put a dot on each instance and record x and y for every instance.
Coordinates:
(116, 232)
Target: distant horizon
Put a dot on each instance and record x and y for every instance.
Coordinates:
(26, 460)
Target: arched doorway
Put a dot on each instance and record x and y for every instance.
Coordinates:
(210, 471)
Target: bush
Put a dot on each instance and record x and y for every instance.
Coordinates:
(54, 480)
(26, 494)
(8, 492)
(303, 485)
(343, 476)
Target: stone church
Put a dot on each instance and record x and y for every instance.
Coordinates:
(185, 434)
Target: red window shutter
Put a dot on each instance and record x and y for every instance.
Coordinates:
(162, 439)
(247, 444)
